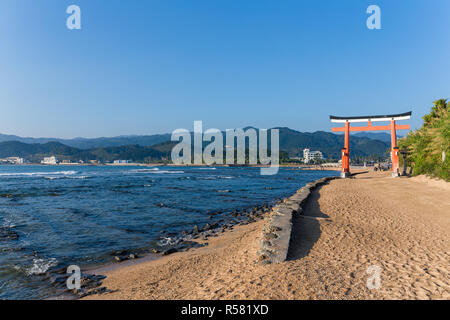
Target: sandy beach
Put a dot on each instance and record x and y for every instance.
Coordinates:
(399, 225)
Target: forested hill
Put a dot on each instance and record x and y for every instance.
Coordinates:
(291, 141)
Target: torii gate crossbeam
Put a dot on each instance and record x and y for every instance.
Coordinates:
(369, 119)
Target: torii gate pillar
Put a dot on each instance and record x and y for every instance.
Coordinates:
(394, 150)
(345, 152)
(345, 171)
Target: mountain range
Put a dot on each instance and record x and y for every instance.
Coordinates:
(142, 140)
(157, 147)
(90, 143)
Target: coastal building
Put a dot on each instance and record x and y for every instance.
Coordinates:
(50, 160)
(309, 156)
(12, 160)
(121, 161)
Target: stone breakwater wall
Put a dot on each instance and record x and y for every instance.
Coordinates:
(276, 234)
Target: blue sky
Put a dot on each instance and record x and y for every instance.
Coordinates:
(146, 66)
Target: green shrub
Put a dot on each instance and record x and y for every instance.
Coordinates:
(427, 145)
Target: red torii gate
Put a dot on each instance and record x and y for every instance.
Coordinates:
(392, 127)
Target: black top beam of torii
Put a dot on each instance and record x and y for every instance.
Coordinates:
(387, 117)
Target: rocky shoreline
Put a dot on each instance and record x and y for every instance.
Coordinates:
(169, 243)
(274, 242)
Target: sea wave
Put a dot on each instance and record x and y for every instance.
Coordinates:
(167, 171)
(155, 171)
(38, 174)
(167, 241)
(144, 170)
(164, 172)
(7, 223)
(56, 177)
(41, 266)
(213, 177)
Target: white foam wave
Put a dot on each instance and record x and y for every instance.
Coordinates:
(7, 223)
(40, 266)
(158, 171)
(168, 241)
(167, 171)
(39, 174)
(215, 177)
(144, 170)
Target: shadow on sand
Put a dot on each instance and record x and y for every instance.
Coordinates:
(356, 173)
(306, 227)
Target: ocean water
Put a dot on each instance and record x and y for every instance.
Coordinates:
(60, 215)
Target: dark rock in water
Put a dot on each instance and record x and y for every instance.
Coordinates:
(59, 270)
(84, 293)
(214, 226)
(169, 251)
(7, 234)
(210, 226)
(160, 204)
(91, 281)
(124, 255)
(59, 281)
(90, 284)
(186, 245)
(133, 256)
(120, 253)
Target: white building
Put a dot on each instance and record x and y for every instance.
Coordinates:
(13, 160)
(309, 155)
(122, 161)
(50, 160)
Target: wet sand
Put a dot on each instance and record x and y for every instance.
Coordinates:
(399, 225)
